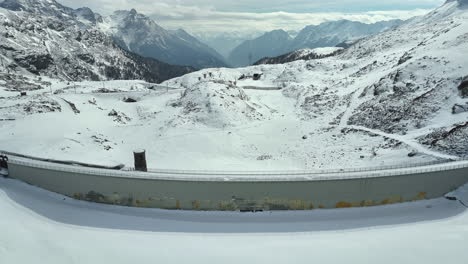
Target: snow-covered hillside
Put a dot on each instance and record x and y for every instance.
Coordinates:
(396, 97)
(45, 38)
(403, 88)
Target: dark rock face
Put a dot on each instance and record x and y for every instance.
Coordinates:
(130, 100)
(35, 62)
(153, 70)
(463, 87)
(56, 25)
(399, 103)
(449, 140)
(88, 58)
(458, 109)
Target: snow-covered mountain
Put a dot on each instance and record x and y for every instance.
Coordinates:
(140, 34)
(46, 38)
(396, 97)
(87, 16)
(303, 54)
(328, 34)
(270, 44)
(51, 8)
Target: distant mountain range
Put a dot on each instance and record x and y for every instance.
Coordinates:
(269, 44)
(225, 42)
(328, 34)
(90, 46)
(46, 38)
(140, 34)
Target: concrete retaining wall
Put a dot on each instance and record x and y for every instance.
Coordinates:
(229, 191)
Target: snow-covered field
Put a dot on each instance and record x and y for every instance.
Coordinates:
(41, 227)
(268, 134)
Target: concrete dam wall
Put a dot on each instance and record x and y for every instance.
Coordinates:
(244, 191)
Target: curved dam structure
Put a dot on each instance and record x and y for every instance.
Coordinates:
(242, 191)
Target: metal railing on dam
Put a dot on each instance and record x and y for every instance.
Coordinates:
(245, 191)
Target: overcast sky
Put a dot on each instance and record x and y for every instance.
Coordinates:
(260, 15)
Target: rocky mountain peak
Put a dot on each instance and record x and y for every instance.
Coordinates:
(87, 14)
(277, 34)
(131, 18)
(133, 12)
(47, 7)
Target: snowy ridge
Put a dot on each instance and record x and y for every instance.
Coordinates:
(45, 38)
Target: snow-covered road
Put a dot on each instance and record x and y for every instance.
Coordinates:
(41, 227)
